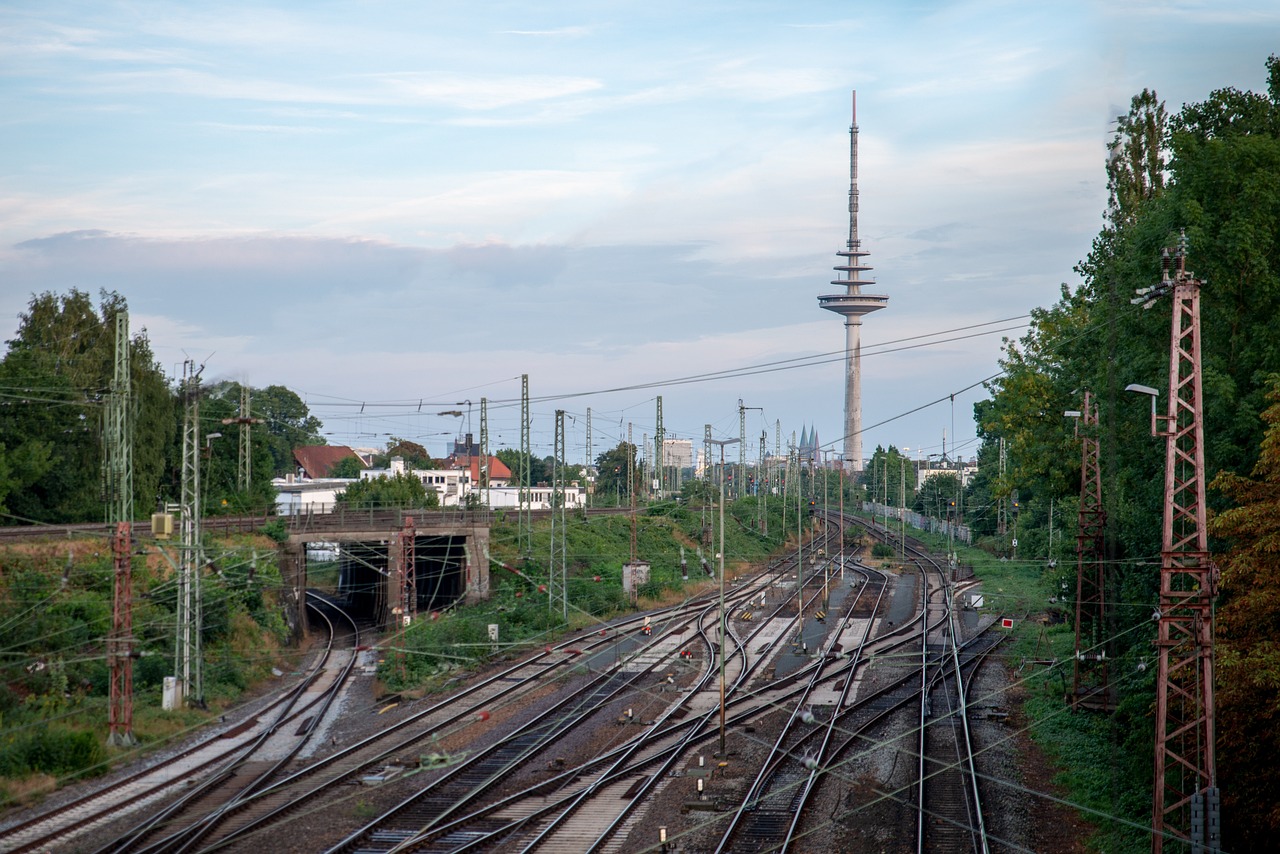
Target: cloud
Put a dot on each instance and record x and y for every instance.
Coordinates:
(482, 92)
(573, 32)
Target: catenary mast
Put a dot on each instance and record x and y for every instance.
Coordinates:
(852, 305)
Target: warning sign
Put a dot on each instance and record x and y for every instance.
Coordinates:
(1006, 623)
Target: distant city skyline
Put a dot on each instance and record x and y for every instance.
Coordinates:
(396, 208)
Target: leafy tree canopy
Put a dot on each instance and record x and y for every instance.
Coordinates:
(347, 467)
(54, 381)
(288, 422)
(611, 470)
(402, 490)
(414, 455)
(539, 470)
(1248, 641)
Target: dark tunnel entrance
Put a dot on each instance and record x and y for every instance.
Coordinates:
(439, 567)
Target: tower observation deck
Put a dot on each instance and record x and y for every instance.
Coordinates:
(852, 305)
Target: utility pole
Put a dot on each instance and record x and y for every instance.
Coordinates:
(526, 461)
(187, 658)
(1002, 507)
(777, 448)
(723, 618)
(244, 479)
(762, 469)
(483, 470)
(586, 469)
(403, 567)
(1089, 684)
(659, 455)
(707, 468)
(646, 475)
(1185, 808)
(558, 544)
(902, 498)
(742, 448)
(118, 472)
(631, 488)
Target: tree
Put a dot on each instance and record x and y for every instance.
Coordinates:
(1248, 644)
(347, 467)
(885, 475)
(937, 496)
(402, 490)
(289, 424)
(54, 379)
(220, 479)
(414, 455)
(539, 470)
(611, 471)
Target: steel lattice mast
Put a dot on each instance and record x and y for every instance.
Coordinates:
(402, 558)
(187, 664)
(659, 454)
(558, 569)
(852, 305)
(526, 451)
(1185, 777)
(118, 471)
(483, 470)
(1089, 683)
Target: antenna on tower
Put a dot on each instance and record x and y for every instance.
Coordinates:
(852, 305)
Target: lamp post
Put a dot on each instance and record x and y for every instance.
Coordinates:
(723, 628)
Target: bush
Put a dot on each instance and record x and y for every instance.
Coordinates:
(50, 750)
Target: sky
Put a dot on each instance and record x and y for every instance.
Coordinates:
(398, 208)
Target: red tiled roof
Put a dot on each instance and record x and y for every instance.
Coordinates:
(497, 469)
(319, 460)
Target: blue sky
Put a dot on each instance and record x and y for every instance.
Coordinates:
(392, 207)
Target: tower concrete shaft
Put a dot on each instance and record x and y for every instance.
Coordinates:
(852, 305)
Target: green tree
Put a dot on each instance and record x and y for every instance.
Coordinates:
(289, 424)
(402, 490)
(539, 470)
(1248, 644)
(347, 467)
(886, 474)
(54, 379)
(414, 455)
(938, 495)
(611, 471)
(220, 478)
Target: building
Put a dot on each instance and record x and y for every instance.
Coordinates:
(316, 461)
(677, 453)
(296, 497)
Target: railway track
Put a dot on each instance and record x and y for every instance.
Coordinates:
(428, 817)
(575, 772)
(212, 758)
(946, 794)
(600, 798)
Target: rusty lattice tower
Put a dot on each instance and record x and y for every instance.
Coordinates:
(852, 305)
(1186, 795)
(118, 475)
(1089, 685)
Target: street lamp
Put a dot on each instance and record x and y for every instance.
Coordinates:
(1153, 393)
(723, 631)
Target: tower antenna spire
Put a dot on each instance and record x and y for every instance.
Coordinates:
(852, 305)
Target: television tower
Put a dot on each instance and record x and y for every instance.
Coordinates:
(852, 305)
